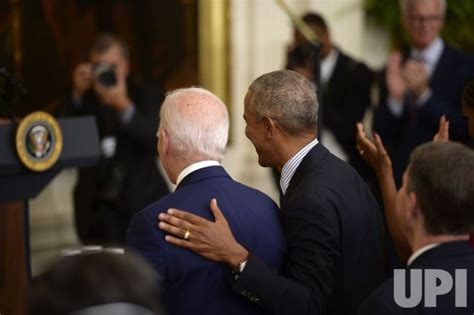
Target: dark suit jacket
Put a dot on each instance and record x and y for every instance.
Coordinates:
(345, 99)
(402, 135)
(448, 257)
(192, 284)
(108, 194)
(334, 233)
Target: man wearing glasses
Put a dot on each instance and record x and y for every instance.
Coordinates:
(421, 84)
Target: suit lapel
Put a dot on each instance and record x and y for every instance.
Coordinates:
(314, 157)
(202, 174)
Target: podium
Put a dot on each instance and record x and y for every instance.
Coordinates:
(17, 185)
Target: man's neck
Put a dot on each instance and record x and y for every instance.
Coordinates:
(422, 239)
(292, 145)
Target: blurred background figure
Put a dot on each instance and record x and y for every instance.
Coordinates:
(126, 178)
(96, 283)
(345, 87)
(422, 83)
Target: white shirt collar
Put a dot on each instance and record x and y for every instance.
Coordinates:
(328, 64)
(292, 164)
(422, 250)
(430, 55)
(194, 167)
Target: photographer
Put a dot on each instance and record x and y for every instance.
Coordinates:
(345, 88)
(126, 178)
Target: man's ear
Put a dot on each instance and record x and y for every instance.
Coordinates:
(270, 127)
(165, 141)
(414, 211)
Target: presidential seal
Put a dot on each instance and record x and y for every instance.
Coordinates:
(39, 141)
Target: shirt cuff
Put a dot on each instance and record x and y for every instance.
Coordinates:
(395, 107)
(127, 115)
(423, 98)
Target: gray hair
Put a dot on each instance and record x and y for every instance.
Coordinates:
(197, 121)
(287, 97)
(441, 174)
(405, 4)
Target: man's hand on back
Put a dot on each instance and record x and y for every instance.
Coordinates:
(211, 240)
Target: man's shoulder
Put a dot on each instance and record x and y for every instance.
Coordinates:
(351, 65)
(381, 301)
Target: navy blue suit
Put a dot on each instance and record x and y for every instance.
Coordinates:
(448, 257)
(195, 285)
(333, 228)
(402, 134)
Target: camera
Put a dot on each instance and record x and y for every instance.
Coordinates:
(104, 74)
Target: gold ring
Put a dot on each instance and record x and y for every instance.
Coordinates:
(186, 234)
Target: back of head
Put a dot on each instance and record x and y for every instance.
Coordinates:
(442, 176)
(287, 97)
(315, 20)
(100, 282)
(198, 123)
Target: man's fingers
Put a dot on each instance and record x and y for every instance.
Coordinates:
(175, 221)
(379, 145)
(179, 242)
(178, 232)
(186, 216)
(216, 211)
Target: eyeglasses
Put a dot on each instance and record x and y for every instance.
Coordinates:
(420, 19)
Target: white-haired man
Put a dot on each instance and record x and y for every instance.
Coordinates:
(422, 83)
(192, 140)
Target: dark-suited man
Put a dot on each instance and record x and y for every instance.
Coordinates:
(421, 84)
(435, 206)
(345, 88)
(192, 140)
(126, 177)
(331, 221)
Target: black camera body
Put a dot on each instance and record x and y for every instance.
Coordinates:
(104, 74)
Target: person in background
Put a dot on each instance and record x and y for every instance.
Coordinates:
(96, 283)
(126, 177)
(376, 155)
(345, 87)
(421, 84)
(434, 208)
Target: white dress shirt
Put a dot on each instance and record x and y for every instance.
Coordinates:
(292, 164)
(418, 253)
(194, 167)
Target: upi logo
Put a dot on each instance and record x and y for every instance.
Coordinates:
(436, 282)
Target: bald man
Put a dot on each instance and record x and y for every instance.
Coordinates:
(192, 137)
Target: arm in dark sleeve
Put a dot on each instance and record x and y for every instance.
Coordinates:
(356, 100)
(144, 123)
(308, 278)
(385, 123)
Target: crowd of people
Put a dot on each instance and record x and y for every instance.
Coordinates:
(216, 246)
